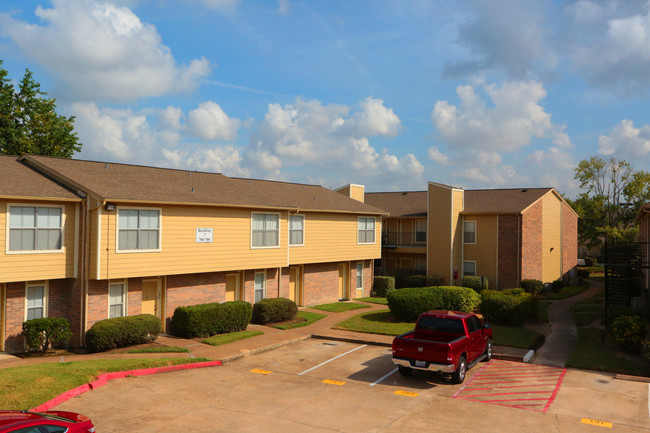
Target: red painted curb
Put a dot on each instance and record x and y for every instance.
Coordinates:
(102, 379)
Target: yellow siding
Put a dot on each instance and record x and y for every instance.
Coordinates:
(551, 238)
(484, 252)
(439, 229)
(93, 244)
(38, 266)
(357, 192)
(457, 229)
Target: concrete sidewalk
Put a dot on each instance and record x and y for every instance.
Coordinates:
(271, 339)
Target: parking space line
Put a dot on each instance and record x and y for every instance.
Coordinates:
(334, 382)
(597, 422)
(260, 371)
(332, 359)
(406, 393)
(384, 377)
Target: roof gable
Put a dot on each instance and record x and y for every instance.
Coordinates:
(400, 204)
(19, 180)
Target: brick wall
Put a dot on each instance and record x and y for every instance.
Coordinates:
(569, 241)
(321, 283)
(531, 243)
(508, 247)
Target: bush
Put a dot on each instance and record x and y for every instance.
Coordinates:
(615, 312)
(109, 334)
(557, 285)
(402, 281)
(628, 333)
(590, 261)
(382, 286)
(532, 286)
(273, 310)
(509, 307)
(407, 304)
(206, 320)
(475, 282)
(39, 333)
(583, 273)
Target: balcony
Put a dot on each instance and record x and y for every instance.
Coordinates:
(400, 239)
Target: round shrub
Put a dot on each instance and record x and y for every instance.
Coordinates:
(628, 333)
(206, 320)
(583, 273)
(532, 286)
(557, 285)
(122, 331)
(476, 282)
(407, 304)
(382, 286)
(510, 307)
(590, 261)
(39, 333)
(616, 311)
(273, 310)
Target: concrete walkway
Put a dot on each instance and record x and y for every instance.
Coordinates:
(271, 339)
(562, 340)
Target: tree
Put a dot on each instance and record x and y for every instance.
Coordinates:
(29, 122)
(614, 192)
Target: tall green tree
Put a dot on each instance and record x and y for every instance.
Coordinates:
(29, 122)
(613, 194)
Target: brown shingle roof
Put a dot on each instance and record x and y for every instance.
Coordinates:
(18, 180)
(400, 204)
(112, 181)
(501, 201)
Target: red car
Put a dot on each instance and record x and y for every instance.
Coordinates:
(53, 421)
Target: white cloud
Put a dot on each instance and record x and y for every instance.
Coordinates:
(220, 4)
(283, 6)
(375, 119)
(438, 156)
(626, 141)
(219, 159)
(210, 122)
(553, 167)
(100, 50)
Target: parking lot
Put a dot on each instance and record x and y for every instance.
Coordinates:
(320, 385)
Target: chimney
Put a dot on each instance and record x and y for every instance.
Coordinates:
(356, 192)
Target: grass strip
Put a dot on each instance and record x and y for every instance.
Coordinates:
(375, 322)
(543, 310)
(373, 300)
(309, 319)
(218, 340)
(586, 318)
(516, 336)
(28, 386)
(591, 354)
(339, 307)
(160, 349)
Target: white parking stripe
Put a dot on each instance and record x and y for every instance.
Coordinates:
(383, 377)
(332, 359)
(648, 400)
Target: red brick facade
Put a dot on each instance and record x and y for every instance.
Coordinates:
(509, 252)
(531, 243)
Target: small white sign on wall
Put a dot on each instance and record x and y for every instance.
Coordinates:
(204, 235)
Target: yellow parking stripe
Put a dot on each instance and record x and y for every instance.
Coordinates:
(597, 422)
(260, 371)
(406, 393)
(334, 382)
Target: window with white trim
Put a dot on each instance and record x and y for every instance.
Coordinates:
(36, 297)
(297, 230)
(139, 229)
(34, 228)
(116, 300)
(359, 275)
(469, 232)
(420, 230)
(260, 286)
(366, 230)
(265, 230)
(469, 268)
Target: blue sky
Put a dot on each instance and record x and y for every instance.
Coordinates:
(389, 94)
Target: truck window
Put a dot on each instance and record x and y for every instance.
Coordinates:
(440, 324)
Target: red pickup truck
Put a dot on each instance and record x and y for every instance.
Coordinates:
(445, 342)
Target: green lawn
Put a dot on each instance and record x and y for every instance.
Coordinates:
(218, 340)
(585, 318)
(159, 349)
(339, 307)
(588, 307)
(376, 322)
(308, 317)
(566, 292)
(516, 336)
(373, 300)
(543, 310)
(592, 268)
(29, 386)
(591, 354)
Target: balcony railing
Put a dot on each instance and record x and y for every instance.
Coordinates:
(398, 239)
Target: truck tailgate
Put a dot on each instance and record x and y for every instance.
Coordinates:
(408, 347)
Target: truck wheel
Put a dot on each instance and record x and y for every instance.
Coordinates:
(404, 371)
(458, 376)
(488, 351)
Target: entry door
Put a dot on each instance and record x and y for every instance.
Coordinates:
(232, 287)
(294, 285)
(343, 281)
(2, 317)
(151, 297)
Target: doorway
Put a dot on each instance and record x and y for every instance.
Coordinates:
(152, 297)
(2, 317)
(295, 285)
(232, 287)
(344, 281)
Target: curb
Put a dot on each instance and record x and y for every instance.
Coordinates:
(103, 379)
(351, 340)
(247, 352)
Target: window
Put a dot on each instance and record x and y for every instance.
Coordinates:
(116, 300)
(36, 301)
(420, 264)
(34, 228)
(469, 268)
(359, 275)
(420, 230)
(297, 230)
(260, 286)
(469, 232)
(138, 229)
(366, 231)
(265, 230)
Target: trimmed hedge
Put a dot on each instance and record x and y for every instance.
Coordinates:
(591, 261)
(39, 333)
(474, 282)
(206, 320)
(509, 307)
(273, 310)
(402, 281)
(407, 304)
(532, 286)
(382, 286)
(109, 334)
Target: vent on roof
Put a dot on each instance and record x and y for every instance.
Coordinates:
(404, 193)
(524, 190)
